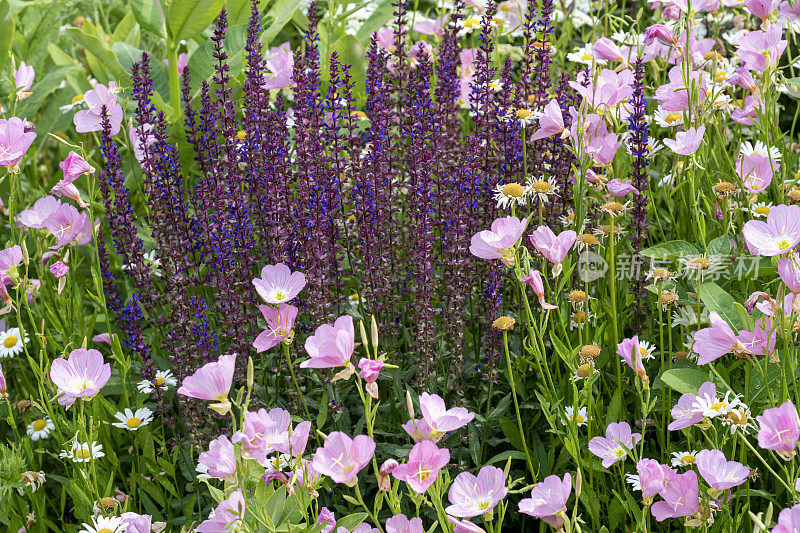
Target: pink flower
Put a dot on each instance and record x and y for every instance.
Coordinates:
(137, 523)
(652, 476)
(681, 497)
(278, 284)
(10, 258)
(685, 413)
(618, 188)
(550, 122)
(59, 269)
(714, 342)
(424, 462)
(74, 166)
(718, 472)
(534, 279)
(686, 142)
(609, 449)
(23, 79)
(659, 32)
(102, 338)
(14, 141)
(778, 428)
(81, 375)
(548, 499)
(788, 520)
(430, 27)
(439, 418)
(264, 432)
(223, 518)
(220, 458)
(370, 369)
(464, 526)
(332, 346)
(743, 79)
(475, 495)
(418, 430)
(326, 517)
(761, 341)
(761, 49)
(342, 458)
(35, 216)
(68, 224)
(400, 524)
(280, 322)
(500, 241)
(554, 248)
(388, 466)
(630, 351)
(603, 148)
(778, 235)
(610, 89)
(281, 66)
(3, 386)
(790, 275)
(183, 60)
(604, 48)
(100, 96)
(756, 171)
(212, 382)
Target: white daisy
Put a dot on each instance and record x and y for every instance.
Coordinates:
(32, 480)
(202, 472)
(579, 418)
(542, 188)
(131, 420)
(667, 119)
(633, 481)
(686, 316)
(739, 419)
(164, 378)
(711, 406)
(760, 209)
(647, 349)
(761, 149)
(684, 459)
(12, 343)
(511, 194)
(40, 429)
(585, 371)
(83, 452)
(585, 55)
(104, 524)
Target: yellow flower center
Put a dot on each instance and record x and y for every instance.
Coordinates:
(672, 118)
(587, 57)
(159, 380)
(585, 370)
(10, 341)
(104, 530)
(133, 422)
(83, 453)
(725, 187)
(718, 406)
(471, 23)
(783, 244)
(77, 98)
(762, 210)
(700, 263)
(590, 351)
(613, 207)
(241, 134)
(523, 114)
(588, 239)
(541, 187)
(503, 323)
(39, 425)
(579, 317)
(577, 297)
(720, 76)
(689, 459)
(513, 190)
(578, 419)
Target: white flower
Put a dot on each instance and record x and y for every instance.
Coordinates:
(761, 149)
(711, 406)
(511, 194)
(83, 452)
(759, 209)
(738, 419)
(104, 524)
(32, 480)
(686, 316)
(667, 120)
(12, 343)
(580, 418)
(585, 55)
(542, 188)
(164, 378)
(40, 429)
(647, 349)
(684, 459)
(131, 420)
(633, 481)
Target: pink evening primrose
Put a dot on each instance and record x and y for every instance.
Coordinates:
(342, 458)
(604, 48)
(369, 371)
(141, 146)
(464, 526)
(136, 523)
(618, 188)
(280, 322)
(401, 524)
(59, 269)
(630, 352)
(718, 472)
(3, 386)
(756, 171)
(417, 429)
(74, 166)
(761, 49)
(183, 60)
(224, 517)
(278, 284)
(332, 346)
(686, 142)
(81, 375)
(265, 432)
(534, 279)
(713, 342)
(500, 241)
(789, 271)
(14, 142)
(551, 122)
(681, 495)
(88, 120)
(281, 66)
(424, 463)
(439, 419)
(762, 8)
(35, 216)
(10, 258)
(212, 382)
(220, 459)
(788, 520)
(652, 476)
(685, 413)
(553, 248)
(475, 495)
(23, 80)
(778, 429)
(610, 448)
(548, 500)
(778, 235)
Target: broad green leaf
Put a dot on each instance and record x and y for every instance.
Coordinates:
(6, 33)
(127, 30)
(281, 12)
(746, 318)
(684, 380)
(351, 521)
(351, 53)
(239, 11)
(45, 88)
(720, 246)
(716, 299)
(107, 57)
(150, 15)
(670, 250)
(511, 431)
(190, 17)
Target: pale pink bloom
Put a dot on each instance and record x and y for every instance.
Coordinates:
(430, 27)
(35, 216)
(743, 78)
(748, 114)
(441, 419)
(400, 524)
(183, 60)
(534, 279)
(603, 148)
(609, 448)
(342, 458)
(326, 517)
(370, 369)
(605, 48)
(685, 413)
(778, 235)
(388, 466)
(618, 188)
(3, 386)
(788, 520)
(630, 352)
(464, 526)
(102, 338)
(280, 322)
(756, 171)
(500, 241)
(681, 495)
(363, 527)
(778, 428)
(10, 258)
(659, 32)
(212, 382)
(68, 224)
(789, 273)
(222, 519)
(259, 427)
(673, 97)
(761, 49)
(278, 284)
(81, 375)
(61, 188)
(548, 499)
(718, 472)
(697, 5)
(652, 476)
(610, 89)
(550, 122)
(220, 458)
(281, 66)
(23, 79)
(140, 147)
(475, 495)
(88, 120)
(713, 342)
(136, 523)
(418, 430)
(74, 166)
(331, 346)
(424, 463)
(552, 247)
(59, 269)
(14, 141)
(686, 142)
(761, 341)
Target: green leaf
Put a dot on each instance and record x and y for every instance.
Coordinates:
(150, 15)
(108, 59)
(351, 521)
(684, 380)
(716, 299)
(351, 53)
(281, 12)
(614, 407)
(6, 33)
(720, 246)
(511, 431)
(746, 318)
(502, 457)
(670, 250)
(501, 408)
(45, 88)
(190, 17)
(322, 416)
(128, 55)
(201, 62)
